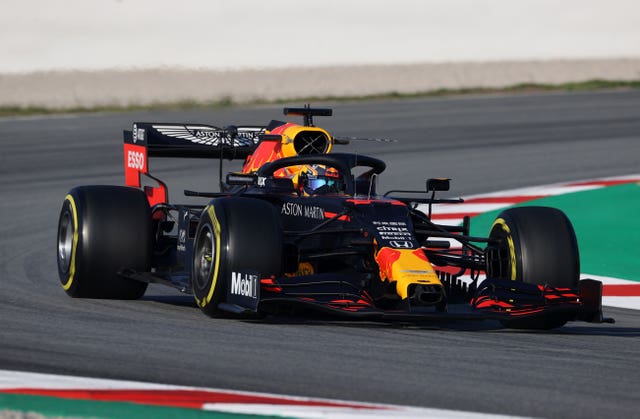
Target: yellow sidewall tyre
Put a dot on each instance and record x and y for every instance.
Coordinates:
(234, 235)
(539, 247)
(101, 230)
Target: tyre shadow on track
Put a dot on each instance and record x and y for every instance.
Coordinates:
(312, 320)
(475, 326)
(630, 332)
(364, 324)
(174, 300)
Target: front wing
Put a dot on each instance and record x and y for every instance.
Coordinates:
(514, 304)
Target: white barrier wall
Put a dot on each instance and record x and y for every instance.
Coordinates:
(300, 36)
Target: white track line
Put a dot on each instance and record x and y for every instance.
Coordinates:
(28, 380)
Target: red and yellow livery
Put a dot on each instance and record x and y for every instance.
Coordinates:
(301, 228)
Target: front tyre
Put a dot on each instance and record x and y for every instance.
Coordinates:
(234, 235)
(207, 288)
(538, 246)
(101, 230)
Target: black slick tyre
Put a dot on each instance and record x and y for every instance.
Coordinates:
(101, 230)
(539, 247)
(234, 235)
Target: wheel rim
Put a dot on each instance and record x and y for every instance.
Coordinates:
(501, 258)
(203, 261)
(65, 241)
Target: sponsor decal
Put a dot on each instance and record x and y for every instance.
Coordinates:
(313, 212)
(401, 244)
(304, 268)
(244, 284)
(396, 231)
(291, 208)
(135, 160)
(183, 230)
(207, 134)
(294, 209)
(182, 240)
(202, 134)
(418, 275)
(138, 134)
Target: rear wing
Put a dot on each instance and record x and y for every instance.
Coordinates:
(181, 140)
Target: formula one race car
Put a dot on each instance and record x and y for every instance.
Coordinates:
(302, 229)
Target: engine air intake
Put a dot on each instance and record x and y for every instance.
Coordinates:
(311, 142)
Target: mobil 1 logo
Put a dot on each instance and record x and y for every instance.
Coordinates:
(244, 289)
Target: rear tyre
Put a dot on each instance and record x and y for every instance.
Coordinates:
(233, 235)
(101, 230)
(539, 247)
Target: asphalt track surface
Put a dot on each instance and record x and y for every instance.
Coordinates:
(484, 143)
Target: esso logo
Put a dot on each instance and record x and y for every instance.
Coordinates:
(135, 160)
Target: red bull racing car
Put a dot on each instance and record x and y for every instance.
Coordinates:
(303, 229)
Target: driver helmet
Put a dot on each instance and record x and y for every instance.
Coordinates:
(320, 179)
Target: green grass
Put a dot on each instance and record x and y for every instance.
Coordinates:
(590, 85)
(27, 406)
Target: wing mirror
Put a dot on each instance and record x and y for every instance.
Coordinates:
(241, 179)
(438, 184)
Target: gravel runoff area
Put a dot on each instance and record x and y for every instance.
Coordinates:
(78, 89)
